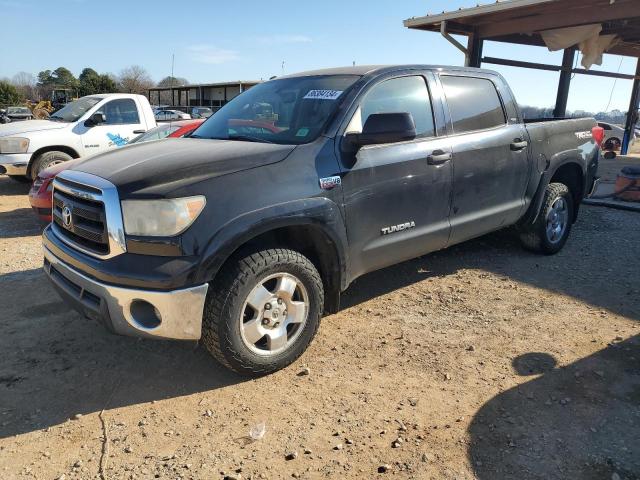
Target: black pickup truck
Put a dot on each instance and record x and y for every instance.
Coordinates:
(244, 234)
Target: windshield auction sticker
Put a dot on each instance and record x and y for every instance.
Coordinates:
(323, 94)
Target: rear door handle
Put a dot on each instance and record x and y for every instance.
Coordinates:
(518, 145)
(138, 132)
(438, 157)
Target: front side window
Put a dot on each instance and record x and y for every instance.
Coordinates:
(398, 95)
(120, 112)
(474, 103)
(286, 111)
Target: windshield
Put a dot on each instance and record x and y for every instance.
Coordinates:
(17, 110)
(287, 111)
(75, 110)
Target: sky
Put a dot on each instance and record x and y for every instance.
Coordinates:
(249, 40)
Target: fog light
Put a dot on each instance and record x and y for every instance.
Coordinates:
(145, 314)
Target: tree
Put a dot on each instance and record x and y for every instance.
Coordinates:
(44, 78)
(170, 81)
(25, 83)
(9, 95)
(107, 84)
(89, 81)
(64, 78)
(134, 79)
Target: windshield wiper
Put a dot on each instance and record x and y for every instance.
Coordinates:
(56, 117)
(248, 138)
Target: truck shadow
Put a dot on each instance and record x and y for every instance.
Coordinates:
(21, 222)
(576, 421)
(56, 364)
(13, 187)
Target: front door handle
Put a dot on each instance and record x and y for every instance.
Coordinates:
(518, 145)
(138, 132)
(438, 157)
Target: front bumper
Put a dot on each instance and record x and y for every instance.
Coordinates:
(175, 314)
(14, 163)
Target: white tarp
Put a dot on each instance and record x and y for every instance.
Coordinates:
(587, 38)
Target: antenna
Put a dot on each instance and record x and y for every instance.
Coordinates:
(283, 67)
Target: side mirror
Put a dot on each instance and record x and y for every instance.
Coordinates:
(383, 128)
(95, 119)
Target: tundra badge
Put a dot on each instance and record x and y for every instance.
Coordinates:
(398, 228)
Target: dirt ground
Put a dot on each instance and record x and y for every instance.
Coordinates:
(487, 361)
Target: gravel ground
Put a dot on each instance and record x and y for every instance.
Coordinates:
(482, 361)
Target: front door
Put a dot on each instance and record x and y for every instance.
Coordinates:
(397, 196)
(490, 158)
(122, 121)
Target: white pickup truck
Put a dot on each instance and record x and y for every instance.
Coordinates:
(89, 125)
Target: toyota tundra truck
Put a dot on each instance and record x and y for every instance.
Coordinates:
(243, 236)
(87, 126)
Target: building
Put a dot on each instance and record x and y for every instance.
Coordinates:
(184, 97)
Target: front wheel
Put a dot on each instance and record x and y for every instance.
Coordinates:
(48, 159)
(263, 311)
(550, 231)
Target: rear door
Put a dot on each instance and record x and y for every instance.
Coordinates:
(396, 202)
(490, 155)
(122, 123)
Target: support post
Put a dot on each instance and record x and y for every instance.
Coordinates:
(474, 47)
(632, 116)
(565, 83)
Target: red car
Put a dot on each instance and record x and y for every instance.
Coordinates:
(40, 193)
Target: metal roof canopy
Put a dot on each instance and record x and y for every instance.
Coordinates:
(520, 21)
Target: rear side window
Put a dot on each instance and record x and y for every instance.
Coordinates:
(121, 112)
(474, 103)
(398, 95)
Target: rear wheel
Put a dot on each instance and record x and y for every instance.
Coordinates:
(550, 231)
(48, 159)
(263, 311)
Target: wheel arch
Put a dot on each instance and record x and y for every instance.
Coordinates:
(317, 231)
(51, 148)
(569, 171)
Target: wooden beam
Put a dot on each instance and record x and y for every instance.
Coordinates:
(570, 17)
(632, 114)
(556, 68)
(521, 64)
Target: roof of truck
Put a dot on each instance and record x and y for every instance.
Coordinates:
(362, 70)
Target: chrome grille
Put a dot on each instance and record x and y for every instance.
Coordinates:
(86, 214)
(86, 223)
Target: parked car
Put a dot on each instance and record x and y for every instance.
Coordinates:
(201, 112)
(40, 193)
(87, 126)
(18, 114)
(613, 136)
(244, 241)
(169, 115)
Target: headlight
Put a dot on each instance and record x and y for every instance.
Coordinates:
(161, 218)
(14, 145)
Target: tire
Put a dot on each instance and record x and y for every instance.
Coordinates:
(231, 323)
(46, 160)
(613, 144)
(20, 178)
(541, 236)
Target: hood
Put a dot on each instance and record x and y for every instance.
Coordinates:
(156, 168)
(29, 126)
